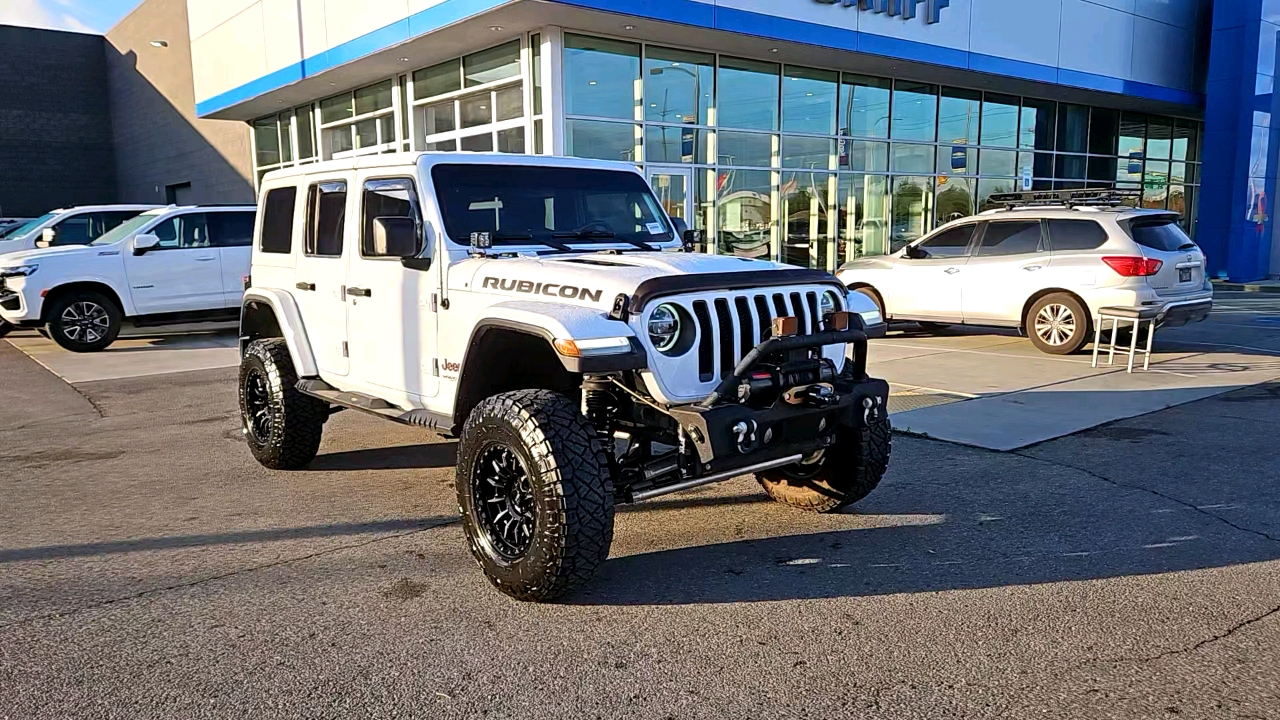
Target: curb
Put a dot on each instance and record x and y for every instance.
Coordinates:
(1247, 287)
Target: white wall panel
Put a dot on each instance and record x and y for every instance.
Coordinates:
(1096, 39)
(1159, 53)
(280, 32)
(229, 55)
(1016, 29)
(349, 19)
(835, 15)
(205, 15)
(315, 35)
(953, 32)
(416, 6)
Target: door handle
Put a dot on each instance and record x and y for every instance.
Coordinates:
(305, 286)
(206, 259)
(359, 292)
(1032, 268)
(951, 271)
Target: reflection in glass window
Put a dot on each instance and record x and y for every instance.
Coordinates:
(337, 140)
(993, 186)
(511, 140)
(751, 149)
(600, 76)
(437, 80)
(864, 105)
(954, 198)
(912, 212)
(1102, 169)
(266, 141)
(1159, 138)
(1184, 140)
(1041, 164)
(747, 94)
(807, 152)
(306, 133)
(1070, 167)
(1104, 131)
(862, 216)
(912, 158)
(437, 118)
(336, 108)
(958, 113)
(809, 100)
(477, 143)
(957, 160)
(744, 212)
(475, 110)
(1178, 199)
(535, 52)
(915, 111)
(674, 144)
(1011, 238)
(1073, 128)
(366, 133)
(1036, 129)
(509, 102)
(492, 65)
(374, 98)
(601, 140)
(1133, 134)
(678, 86)
(865, 155)
(998, 162)
(804, 216)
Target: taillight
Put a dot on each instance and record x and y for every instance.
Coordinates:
(1133, 266)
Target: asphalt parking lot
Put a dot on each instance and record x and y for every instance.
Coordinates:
(150, 568)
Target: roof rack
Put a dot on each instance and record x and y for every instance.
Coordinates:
(1089, 197)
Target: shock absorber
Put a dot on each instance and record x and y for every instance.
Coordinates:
(600, 406)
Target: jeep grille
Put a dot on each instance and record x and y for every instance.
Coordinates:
(730, 326)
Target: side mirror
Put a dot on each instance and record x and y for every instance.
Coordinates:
(420, 259)
(688, 238)
(395, 237)
(47, 236)
(915, 252)
(144, 242)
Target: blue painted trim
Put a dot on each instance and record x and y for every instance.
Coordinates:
(712, 17)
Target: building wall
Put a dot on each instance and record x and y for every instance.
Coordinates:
(55, 124)
(160, 143)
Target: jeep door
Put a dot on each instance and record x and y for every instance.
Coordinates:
(320, 276)
(391, 306)
(180, 274)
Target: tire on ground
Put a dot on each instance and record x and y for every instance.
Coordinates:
(84, 321)
(288, 423)
(846, 473)
(568, 477)
(1071, 332)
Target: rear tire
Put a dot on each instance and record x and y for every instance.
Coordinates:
(84, 321)
(1057, 324)
(844, 474)
(535, 494)
(282, 425)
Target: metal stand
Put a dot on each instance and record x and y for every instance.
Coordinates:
(1118, 315)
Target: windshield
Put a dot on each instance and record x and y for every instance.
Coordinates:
(16, 232)
(123, 230)
(522, 205)
(1163, 235)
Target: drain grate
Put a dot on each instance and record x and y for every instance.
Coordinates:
(906, 397)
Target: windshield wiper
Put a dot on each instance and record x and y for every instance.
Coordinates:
(590, 233)
(528, 237)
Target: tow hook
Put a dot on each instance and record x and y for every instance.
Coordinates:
(870, 410)
(746, 432)
(819, 395)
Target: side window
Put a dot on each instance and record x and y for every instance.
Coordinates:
(1076, 235)
(231, 229)
(277, 220)
(326, 218)
(1011, 238)
(395, 204)
(108, 221)
(949, 243)
(72, 231)
(182, 232)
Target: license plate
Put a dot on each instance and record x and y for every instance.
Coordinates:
(1184, 275)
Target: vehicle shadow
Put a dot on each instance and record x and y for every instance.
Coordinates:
(402, 457)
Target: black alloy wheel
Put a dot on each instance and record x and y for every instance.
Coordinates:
(257, 405)
(503, 498)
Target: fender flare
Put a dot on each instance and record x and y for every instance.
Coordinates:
(113, 284)
(552, 321)
(289, 320)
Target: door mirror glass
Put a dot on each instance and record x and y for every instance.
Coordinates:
(144, 242)
(422, 260)
(395, 237)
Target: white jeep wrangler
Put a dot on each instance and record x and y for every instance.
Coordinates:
(541, 310)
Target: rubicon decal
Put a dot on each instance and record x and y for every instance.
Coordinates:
(530, 287)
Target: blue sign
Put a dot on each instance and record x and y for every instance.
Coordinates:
(904, 8)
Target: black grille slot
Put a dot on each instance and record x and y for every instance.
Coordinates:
(706, 342)
(746, 328)
(766, 320)
(813, 311)
(779, 305)
(727, 360)
(802, 319)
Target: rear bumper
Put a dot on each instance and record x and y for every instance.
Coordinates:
(1176, 314)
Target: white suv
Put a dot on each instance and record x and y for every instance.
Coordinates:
(1046, 263)
(541, 310)
(68, 226)
(174, 264)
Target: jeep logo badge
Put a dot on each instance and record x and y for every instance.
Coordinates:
(905, 8)
(529, 287)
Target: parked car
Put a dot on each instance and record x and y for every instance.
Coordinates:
(539, 309)
(174, 264)
(68, 226)
(1044, 264)
(9, 225)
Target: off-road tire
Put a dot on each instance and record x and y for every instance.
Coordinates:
(849, 471)
(1080, 323)
(5, 328)
(568, 478)
(295, 421)
(87, 302)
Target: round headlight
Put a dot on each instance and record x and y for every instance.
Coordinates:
(664, 327)
(829, 302)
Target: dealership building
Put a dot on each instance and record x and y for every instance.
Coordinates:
(808, 131)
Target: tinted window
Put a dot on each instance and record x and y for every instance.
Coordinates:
(326, 217)
(1011, 238)
(1076, 235)
(182, 232)
(108, 221)
(386, 199)
(949, 243)
(72, 231)
(231, 229)
(277, 220)
(1163, 235)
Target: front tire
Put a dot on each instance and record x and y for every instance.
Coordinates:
(839, 476)
(535, 494)
(282, 425)
(5, 328)
(1057, 324)
(84, 321)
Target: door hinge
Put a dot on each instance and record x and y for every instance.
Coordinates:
(434, 300)
(344, 349)
(435, 367)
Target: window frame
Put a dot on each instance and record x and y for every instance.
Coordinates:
(175, 216)
(314, 190)
(976, 230)
(260, 225)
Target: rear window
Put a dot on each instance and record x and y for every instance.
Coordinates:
(277, 220)
(1011, 238)
(1076, 235)
(231, 229)
(1163, 235)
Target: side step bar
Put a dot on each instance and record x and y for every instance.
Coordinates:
(317, 388)
(654, 492)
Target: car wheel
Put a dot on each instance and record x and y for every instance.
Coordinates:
(875, 298)
(281, 424)
(535, 494)
(84, 321)
(1057, 324)
(836, 477)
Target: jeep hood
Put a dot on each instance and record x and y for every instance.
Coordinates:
(594, 278)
